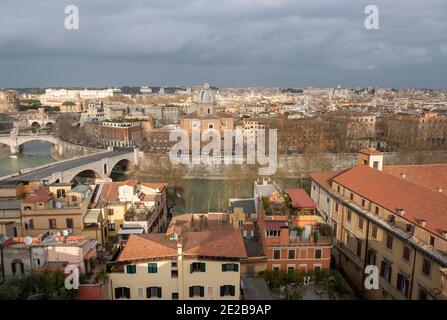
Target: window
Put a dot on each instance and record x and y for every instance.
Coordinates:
(276, 254)
(111, 226)
(196, 291)
(153, 292)
(377, 210)
(406, 253)
(291, 254)
(197, 267)
(389, 242)
(351, 196)
(60, 193)
(174, 274)
(338, 189)
(336, 207)
(27, 208)
(227, 290)
(210, 126)
(422, 295)
(110, 212)
(122, 292)
(371, 257)
(402, 284)
(376, 164)
(426, 267)
(359, 248)
(152, 268)
(386, 271)
(17, 267)
(52, 223)
(409, 228)
(230, 267)
(69, 223)
(349, 217)
(317, 253)
(363, 203)
(432, 240)
(317, 268)
(276, 269)
(74, 198)
(335, 230)
(374, 231)
(174, 296)
(174, 265)
(131, 268)
(29, 224)
(360, 224)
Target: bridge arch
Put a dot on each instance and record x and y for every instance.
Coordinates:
(85, 176)
(35, 125)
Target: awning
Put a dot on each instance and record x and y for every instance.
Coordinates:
(92, 216)
(131, 231)
(90, 254)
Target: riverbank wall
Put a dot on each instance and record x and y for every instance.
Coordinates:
(65, 150)
(290, 166)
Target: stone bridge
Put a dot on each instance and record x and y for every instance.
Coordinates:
(14, 141)
(36, 121)
(98, 166)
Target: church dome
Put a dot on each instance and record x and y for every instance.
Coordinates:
(206, 95)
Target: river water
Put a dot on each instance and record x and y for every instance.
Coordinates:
(33, 154)
(196, 195)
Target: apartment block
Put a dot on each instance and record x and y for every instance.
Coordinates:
(391, 217)
(293, 236)
(191, 261)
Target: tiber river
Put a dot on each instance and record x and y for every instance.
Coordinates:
(198, 195)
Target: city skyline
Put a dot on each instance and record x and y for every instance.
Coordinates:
(232, 43)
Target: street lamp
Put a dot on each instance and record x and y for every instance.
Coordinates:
(28, 242)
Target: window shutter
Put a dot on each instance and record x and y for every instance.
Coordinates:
(191, 292)
(117, 293)
(202, 291)
(159, 292)
(13, 266)
(202, 267)
(191, 268)
(236, 267)
(224, 267)
(232, 290)
(128, 293)
(389, 274)
(148, 292)
(22, 267)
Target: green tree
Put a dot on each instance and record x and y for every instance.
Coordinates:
(46, 285)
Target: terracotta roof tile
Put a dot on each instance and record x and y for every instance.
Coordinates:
(300, 198)
(392, 193)
(223, 243)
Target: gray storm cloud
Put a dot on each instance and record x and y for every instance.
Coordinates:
(231, 42)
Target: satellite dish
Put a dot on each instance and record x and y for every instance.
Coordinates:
(28, 241)
(58, 205)
(65, 233)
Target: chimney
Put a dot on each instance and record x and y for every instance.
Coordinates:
(423, 222)
(403, 175)
(439, 189)
(401, 211)
(179, 249)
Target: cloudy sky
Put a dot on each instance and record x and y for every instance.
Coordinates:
(292, 43)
